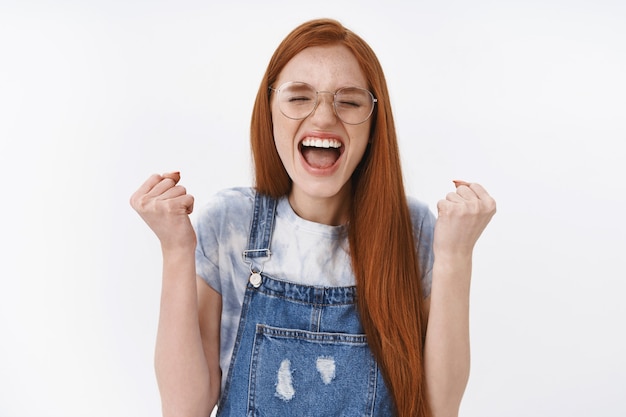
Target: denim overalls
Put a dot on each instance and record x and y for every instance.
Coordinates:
(300, 350)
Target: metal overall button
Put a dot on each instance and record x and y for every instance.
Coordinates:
(255, 279)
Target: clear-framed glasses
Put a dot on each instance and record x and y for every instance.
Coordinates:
(297, 100)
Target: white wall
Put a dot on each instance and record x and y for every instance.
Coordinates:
(526, 97)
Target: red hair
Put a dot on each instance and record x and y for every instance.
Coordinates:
(381, 238)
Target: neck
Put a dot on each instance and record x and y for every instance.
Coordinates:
(333, 211)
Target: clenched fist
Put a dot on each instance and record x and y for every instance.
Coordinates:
(462, 217)
(165, 206)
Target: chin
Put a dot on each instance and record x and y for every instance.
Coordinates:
(324, 190)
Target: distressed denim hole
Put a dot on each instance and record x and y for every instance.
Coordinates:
(284, 383)
(326, 367)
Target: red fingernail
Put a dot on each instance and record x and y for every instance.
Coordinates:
(172, 175)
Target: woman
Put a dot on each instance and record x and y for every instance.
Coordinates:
(324, 290)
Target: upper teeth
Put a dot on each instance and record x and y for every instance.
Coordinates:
(321, 143)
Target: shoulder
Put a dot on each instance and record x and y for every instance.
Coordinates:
(421, 215)
(229, 202)
(424, 231)
(226, 207)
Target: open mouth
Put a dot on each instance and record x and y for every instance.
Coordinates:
(320, 153)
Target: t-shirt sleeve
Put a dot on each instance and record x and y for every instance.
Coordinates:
(207, 247)
(221, 227)
(424, 232)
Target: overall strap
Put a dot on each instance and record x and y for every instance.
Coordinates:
(258, 250)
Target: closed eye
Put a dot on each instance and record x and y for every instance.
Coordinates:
(350, 103)
(298, 98)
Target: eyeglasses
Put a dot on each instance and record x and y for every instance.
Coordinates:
(298, 100)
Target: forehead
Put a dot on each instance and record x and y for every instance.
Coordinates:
(324, 67)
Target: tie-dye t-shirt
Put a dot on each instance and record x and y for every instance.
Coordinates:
(302, 251)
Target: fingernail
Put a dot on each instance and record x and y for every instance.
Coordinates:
(175, 175)
(458, 183)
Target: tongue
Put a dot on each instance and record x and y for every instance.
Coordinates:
(320, 157)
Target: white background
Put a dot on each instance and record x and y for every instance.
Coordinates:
(526, 97)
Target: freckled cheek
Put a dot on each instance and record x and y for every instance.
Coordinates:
(285, 151)
(283, 140)
(284, 132)
(359, 140)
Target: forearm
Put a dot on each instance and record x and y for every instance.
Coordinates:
(447, 348)
(180, 363)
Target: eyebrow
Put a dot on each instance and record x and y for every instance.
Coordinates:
(318, 90)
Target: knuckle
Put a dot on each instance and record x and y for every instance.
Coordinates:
(489, 206)
(143, 203)
(170, 206)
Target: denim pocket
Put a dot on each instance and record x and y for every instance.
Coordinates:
(296, 373)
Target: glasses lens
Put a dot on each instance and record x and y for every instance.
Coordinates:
(354, 105)
(297, 100)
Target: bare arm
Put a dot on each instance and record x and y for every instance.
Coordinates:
(209, 313)
(182, 368)
(180, 363)
(462, 218)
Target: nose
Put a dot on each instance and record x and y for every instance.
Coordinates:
(324, 110)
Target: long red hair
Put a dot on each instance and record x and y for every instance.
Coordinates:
(381, 238)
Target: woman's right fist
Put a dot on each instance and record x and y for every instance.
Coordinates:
(165, 206)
